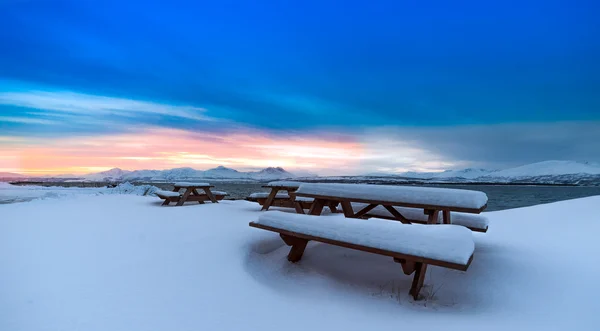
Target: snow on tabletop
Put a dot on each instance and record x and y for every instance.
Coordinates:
(417, 214)
(189, 184)
(261, 195)
(449, 243)
(219, 193)
(283, 183)
(167, 193)
(94, 261)
(399, 194)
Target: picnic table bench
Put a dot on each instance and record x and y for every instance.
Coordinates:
(474, 222)
(432, 201)
(414, 247)
(190, 194)
(282, 195)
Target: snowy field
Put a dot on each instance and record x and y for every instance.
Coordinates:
(95, 261)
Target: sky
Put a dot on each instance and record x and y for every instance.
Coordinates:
(327, 87)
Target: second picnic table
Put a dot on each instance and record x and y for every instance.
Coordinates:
(191, 193)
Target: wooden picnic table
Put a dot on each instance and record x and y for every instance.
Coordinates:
(433, 201)
(285, 200)
(191, 193)
(288, 200)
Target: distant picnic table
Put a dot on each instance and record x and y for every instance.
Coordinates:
(191, 194)
(434, 202)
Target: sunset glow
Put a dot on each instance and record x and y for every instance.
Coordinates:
(166, 148)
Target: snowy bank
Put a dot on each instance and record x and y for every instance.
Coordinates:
(124, 263)
(21, 193)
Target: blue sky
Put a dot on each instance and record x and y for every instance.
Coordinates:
(283, 67)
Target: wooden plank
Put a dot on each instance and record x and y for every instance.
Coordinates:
(395, 203)
(365, 210)
(396, 214)
(183, 199)
(446, 217)
(166, 203)
(418, 279)
(317, 207)
(347, 209)
(406, 257)
(270, 198)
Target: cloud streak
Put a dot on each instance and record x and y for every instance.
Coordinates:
(86, 104)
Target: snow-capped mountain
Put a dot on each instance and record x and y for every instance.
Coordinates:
(219, 172)
(271, 173)
(548, 168)
(549, 172)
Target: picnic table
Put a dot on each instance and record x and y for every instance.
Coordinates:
(434, 202)
(191, 193)
(287, 198)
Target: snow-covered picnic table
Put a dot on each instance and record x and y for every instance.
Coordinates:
(277, 198)
(431, 200)
(190, 194)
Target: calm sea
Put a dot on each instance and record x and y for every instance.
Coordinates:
(500, 196)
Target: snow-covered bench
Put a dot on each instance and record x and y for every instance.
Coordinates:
(473, 222)
(414, 246)
(432, 201)
(190, 194)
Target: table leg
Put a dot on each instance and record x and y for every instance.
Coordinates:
(210, 195)
(446, 217)
(346, 208)
(182, 200)
(317, 207)
(270, 199)
(433, 216)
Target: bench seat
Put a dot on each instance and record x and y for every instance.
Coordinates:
(414, 246)
(167, 194)
(474, 222)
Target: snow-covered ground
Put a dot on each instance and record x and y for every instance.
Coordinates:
(123, 262)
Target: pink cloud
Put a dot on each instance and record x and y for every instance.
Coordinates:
(169, 148)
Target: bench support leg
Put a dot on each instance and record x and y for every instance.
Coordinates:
(408, 267)
(184, 197)
(166, 203)
(270, 199)
(333, 206)
(298, 247)
(298, 207)
(419, 277)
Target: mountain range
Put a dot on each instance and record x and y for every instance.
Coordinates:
(547, 172)
(219, 172)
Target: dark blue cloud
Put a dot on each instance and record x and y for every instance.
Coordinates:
(292, 65)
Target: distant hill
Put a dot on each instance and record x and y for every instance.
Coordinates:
(219, 172)
(10, 175)
(547, 172)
